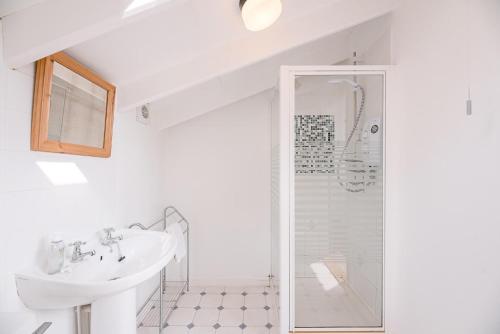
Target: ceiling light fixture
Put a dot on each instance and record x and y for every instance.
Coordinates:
(260, 14)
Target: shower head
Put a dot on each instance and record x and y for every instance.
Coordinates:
(355, 85)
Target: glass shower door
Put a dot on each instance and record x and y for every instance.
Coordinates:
(337, 221)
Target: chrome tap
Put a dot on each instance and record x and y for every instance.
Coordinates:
(139, 225)
(77, 251)
(109, 240)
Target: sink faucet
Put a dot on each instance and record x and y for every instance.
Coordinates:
(77, 251)
(109, 240)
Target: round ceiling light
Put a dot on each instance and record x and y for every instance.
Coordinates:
(260, 14)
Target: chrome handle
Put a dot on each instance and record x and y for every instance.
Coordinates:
(108, 231)
(77, 243)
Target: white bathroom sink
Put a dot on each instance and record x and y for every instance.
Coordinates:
(98, 276)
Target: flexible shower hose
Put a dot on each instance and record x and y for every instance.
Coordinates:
(349, 138)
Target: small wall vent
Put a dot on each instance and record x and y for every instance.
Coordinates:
(143, 114)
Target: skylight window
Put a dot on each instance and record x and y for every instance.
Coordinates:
(137, 6)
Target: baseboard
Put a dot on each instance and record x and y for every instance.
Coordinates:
(229, 282)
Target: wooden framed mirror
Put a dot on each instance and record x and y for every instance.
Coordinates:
(72, 108)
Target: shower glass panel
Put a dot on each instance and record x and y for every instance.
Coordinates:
(338, 137)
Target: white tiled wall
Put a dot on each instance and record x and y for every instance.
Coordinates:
(120, 190)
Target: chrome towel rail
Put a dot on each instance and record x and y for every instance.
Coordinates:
(169, 211)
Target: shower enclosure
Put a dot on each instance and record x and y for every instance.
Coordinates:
(331, 197)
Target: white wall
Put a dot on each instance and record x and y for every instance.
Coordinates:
(217, 170)
(443, 219)
(120, 190)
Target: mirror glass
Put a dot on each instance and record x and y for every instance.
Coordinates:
(77, 109)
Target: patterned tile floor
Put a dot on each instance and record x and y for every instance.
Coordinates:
(222, 310)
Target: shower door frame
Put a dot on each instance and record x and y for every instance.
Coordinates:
(287, 189)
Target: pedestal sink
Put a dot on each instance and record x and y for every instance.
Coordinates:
(101, 280)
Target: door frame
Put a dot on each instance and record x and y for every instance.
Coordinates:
(287, 189)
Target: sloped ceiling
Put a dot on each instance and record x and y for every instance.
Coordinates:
(257, 77)
(11, 6)
(191, 53)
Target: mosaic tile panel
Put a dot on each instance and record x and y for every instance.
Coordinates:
(314, 144)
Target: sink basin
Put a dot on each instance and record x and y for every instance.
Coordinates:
(101, 275)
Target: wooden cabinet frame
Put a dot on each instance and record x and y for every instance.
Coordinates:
(41, 108)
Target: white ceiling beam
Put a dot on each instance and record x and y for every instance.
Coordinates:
(10, 6)
(284, 35)
(51, 26)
